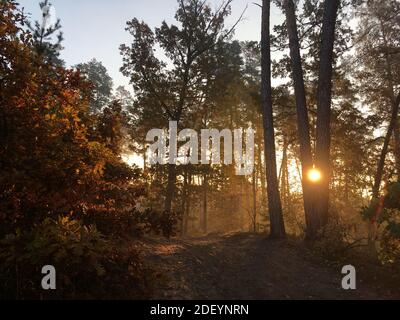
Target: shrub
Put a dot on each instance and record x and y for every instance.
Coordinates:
(87, 265)
(389, 245)
(388, 221)
(336, 240)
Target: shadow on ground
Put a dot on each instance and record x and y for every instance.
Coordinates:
(249, 266)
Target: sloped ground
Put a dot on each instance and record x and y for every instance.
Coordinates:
(247, 266)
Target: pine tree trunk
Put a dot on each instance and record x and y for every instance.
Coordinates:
(184, 201)
(302, 118)
(254, 189)
(188, 204)
(274, 200)
(204, 218)
(284, 174)
(381, 164)
(144, 160)
(324, 106)
(261, 172)
(170, 187)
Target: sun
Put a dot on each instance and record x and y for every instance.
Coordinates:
(314, 175)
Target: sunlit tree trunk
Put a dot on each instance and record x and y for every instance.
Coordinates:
(324, 107)
(302, 117)
(145, 159)
(204, 217)
(285, 190)
(261, 172)
(274, 200)
(285, 186)
(254, 189)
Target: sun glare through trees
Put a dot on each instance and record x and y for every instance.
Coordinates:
(199, 150)
(314, 175)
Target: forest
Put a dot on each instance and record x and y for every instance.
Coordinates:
(84, 189)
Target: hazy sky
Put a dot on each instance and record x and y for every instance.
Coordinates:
(96, 28)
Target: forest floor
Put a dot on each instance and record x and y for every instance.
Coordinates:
(249, 266)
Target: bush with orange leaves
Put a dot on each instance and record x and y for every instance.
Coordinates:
(58, 176)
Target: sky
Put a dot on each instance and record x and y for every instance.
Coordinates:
(96, 28)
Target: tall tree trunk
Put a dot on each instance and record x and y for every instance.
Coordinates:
(254, 189)
(145, 160)
(302, 118)
(324, 105)
(288, 195)
(381, 164)
(397, 146)
(261, 172)
(274, 200)
(204, 218)
(170, 187)
(188, 204)
(285, 188)
(184, 201)
(284, 178)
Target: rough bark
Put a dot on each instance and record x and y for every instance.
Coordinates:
(274, 200)
(324, 105)
(302, 116)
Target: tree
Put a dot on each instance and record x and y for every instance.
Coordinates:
(43, 34)
(378, 69)
(274, 200)
(102, 84)
(385, 148)
(124, 97)
(324, 106)
(378, 56)
(303, 123)
(59, 184)
(110, 126)
(316, 195)
(176, 92)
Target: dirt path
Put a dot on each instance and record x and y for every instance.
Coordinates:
(245, 266)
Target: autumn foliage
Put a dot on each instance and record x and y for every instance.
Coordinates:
(61, 180)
